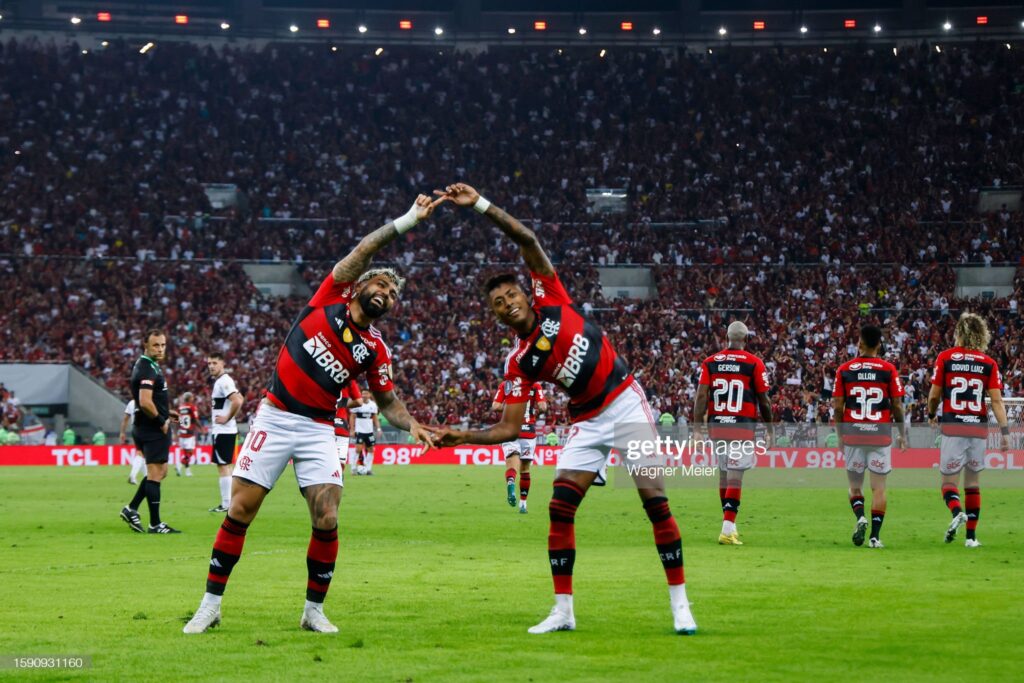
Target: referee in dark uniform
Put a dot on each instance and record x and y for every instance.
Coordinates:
(151, 432)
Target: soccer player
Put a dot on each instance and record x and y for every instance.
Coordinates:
(138, 462)
(350, 397)
(519, 451)
(151, 432)
(962, 377)
(866, 398)
(737, 383)
(331, 342)
(226, 401)
(557, 344)
(366, 427)
(188, 425)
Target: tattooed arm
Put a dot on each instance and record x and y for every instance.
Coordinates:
(352, 266)
(529, 246)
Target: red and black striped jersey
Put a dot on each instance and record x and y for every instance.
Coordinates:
(323, 351)
(529, 428)
(735, 377)
(567, 349)
(188, 420)
(341, 427)
(965, 377)
(868, 386)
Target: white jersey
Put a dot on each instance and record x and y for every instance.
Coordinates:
(130, 411)
(222, 390)
(364, 417)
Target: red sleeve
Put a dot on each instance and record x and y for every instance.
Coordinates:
(938, 379)
(895, 384)
(548, 290)
(760, 377)
(515, 390)
(539, 392)
(332, 292)
(839, 389)
(499, 395)
(705, 374)
(353, 390)
(995, 380)
(378, 377)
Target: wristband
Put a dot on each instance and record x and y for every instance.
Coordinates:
(406, 221)
(931, 416)
(482, 205)
(1005, 431)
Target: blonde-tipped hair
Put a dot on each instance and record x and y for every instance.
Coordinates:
(390, 273)
(972, 332)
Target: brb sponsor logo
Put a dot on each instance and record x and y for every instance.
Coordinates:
(570, 370)
(319, 348)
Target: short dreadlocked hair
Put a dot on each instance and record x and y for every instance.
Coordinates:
(390, 273)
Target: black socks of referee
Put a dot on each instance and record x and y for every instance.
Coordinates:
(150, 491)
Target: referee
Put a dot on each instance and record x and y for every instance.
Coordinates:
(151, 432)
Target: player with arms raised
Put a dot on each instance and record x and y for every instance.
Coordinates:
(557, 344)
(962, 377)
(331, 342)
(737, 383)
(519, 452)
(867, 397)
(188, 426)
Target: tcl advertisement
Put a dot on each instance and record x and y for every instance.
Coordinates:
(390, 454)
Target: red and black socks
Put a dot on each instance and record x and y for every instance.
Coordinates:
(877, 517)
(731, 503)
(510, 474)
(320, 559)
(565, 499)
(666, 538)
(857, 504)
(972, 506)
(524, 486)
(951, 495)
(227, 548)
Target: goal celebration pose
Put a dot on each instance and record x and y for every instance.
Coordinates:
(557, 344)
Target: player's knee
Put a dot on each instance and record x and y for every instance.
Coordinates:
(326, 520)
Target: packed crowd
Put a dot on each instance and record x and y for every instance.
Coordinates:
(756, 156)
(449, 350)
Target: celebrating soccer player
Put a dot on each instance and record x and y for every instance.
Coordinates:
(331, 342)
(867, 397)
(557, 344)
(737, 383)
(962, 377)
(519, 452)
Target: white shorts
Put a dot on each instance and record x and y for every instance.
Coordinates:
(277, 436)
(187, 443)
(524, 448)
(732, 455)
(341, 444)
(590, 442)
(957, 451)
(877, 459)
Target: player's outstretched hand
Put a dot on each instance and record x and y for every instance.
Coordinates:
(459, 194)
(450, 437)
(901, 443)
(425, 206)
(1004, 443)
(423, 435)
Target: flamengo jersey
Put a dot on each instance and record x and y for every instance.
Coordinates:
(222, 390)
(529, 428)
(566, 349)
(323, 351)
(965, 377)
(341, 413)
(188, 419)
(735, 377)
(868, 387)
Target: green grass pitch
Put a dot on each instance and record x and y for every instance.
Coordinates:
(438, 579)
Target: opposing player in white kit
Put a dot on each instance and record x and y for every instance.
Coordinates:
(331, 342)
(138, 461)
(226, 401)
(519, 452)
(366, 427)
